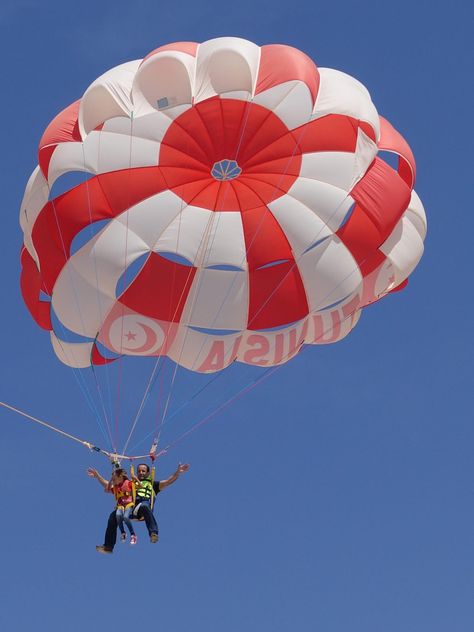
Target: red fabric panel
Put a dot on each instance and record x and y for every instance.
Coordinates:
(160, 290)
(182, 47)
(368, 130)
(62, 129)
(392, 140)
(267, 187)
(334, 132)
(128, 187)
(101, 197)
(277, 296)
(266, 138)
(98, 359)
(44, 158)
(383, 196)
(279, 63)
(265, 241)
(362, 238)
(219, 129)
(400, 286)
(288, 165)
(30, 283)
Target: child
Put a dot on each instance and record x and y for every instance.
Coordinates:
(122, 489)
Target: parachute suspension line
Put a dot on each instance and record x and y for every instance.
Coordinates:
(209, 223)
(99, 300)
(182, 406)
(159, 364)
(87, 396)
(112, 456)
(244, 390)
(205, 251)
(124, 276)
(77, 303)
(155, 372)
(53, 428)
(114, 445)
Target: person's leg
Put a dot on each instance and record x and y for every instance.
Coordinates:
(126, 519)
(110, 538)
(146, 513)
(119, 518)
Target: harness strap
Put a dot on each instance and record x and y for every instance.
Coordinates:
(152, 478)
(134, 489)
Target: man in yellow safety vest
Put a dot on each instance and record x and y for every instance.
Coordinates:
(144, 497)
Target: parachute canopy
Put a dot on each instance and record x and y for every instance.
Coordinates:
(232, 206)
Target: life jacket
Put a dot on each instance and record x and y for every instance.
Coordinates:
(145, 491)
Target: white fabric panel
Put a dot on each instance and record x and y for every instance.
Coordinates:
(238, 95)
(416, 214)
(105, 258)
(270, 348)
(188, 235)
(291, 101)
(326, 200)
(102, 152)
(302, 227)
(151, 126)
(85, 289)
(120, 152)
(332, 326)
(35, 197)
(74, 354)
(366, 150)
(202, 352)
(385, 279)
(329, 274)
(73, 157)
(218, 299)
(78, 304)
(332, 167)
(404, 248)
(225, 64)
(165, 75)
(107, 96)
(226, 243)
(149, 218)
(342, 94)
(174, 113)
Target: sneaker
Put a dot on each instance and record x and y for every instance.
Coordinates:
(123, 537)
(133, 539)
(153, 538)
(103, 549)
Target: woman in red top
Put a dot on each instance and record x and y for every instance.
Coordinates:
(122, 488)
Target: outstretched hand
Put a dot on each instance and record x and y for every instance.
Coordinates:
(182, 467)
(92, 472)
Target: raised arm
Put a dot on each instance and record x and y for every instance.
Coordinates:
(100, 479)
(182, 467)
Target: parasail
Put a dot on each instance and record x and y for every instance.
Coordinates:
(235, 206)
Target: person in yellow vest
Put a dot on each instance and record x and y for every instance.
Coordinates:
(144, 495)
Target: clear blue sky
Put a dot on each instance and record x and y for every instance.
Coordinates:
(338, 495)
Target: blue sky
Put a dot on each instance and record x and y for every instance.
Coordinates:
(338, 494)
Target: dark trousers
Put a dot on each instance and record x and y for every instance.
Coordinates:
(144, 512)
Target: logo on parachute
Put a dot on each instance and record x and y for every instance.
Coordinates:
(127, 332)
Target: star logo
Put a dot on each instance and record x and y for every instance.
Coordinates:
(130, 336)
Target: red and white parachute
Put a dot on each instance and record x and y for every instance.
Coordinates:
(236, 205)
